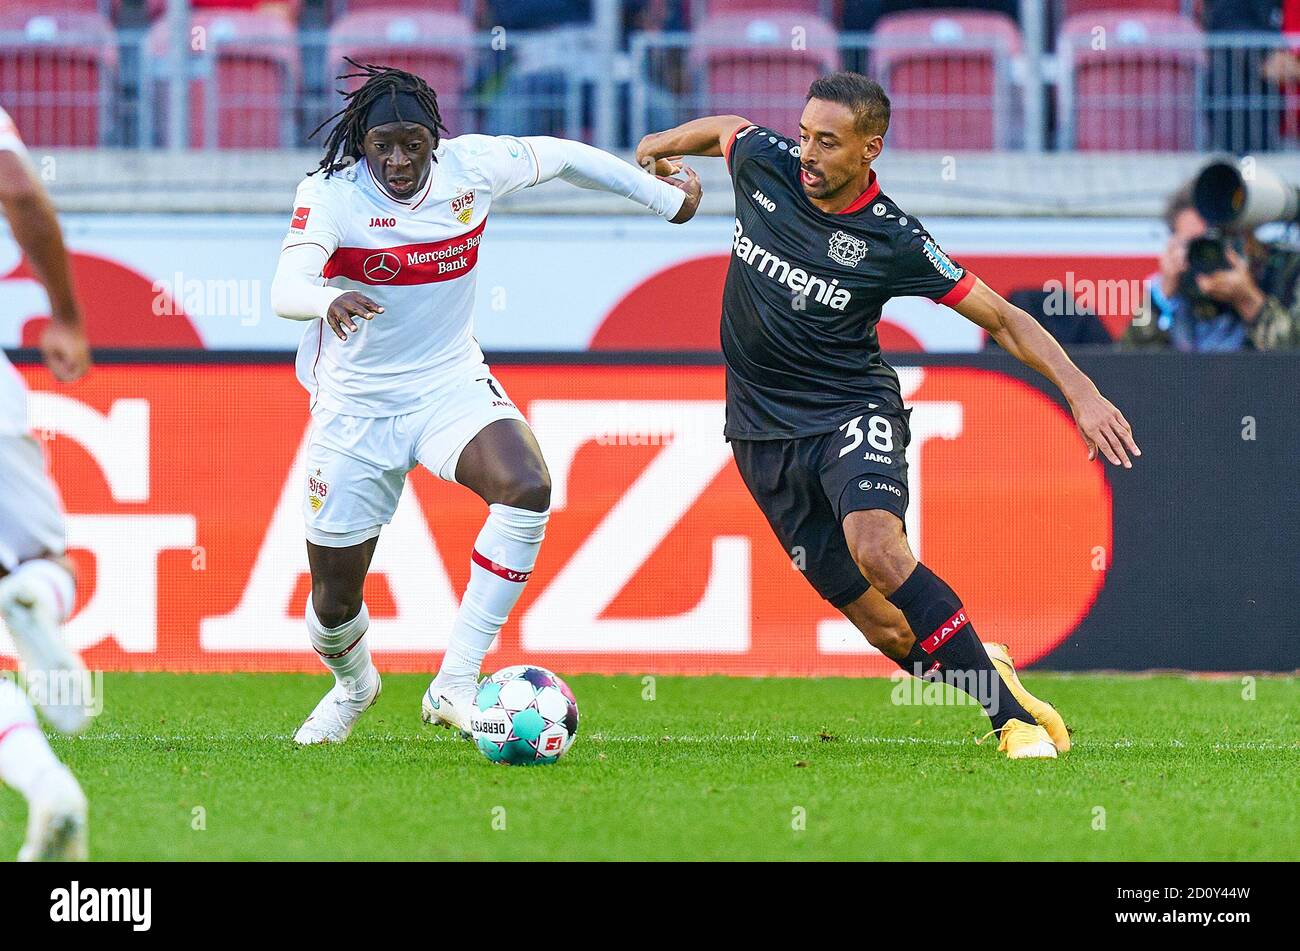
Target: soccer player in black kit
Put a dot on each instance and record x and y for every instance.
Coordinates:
(814, 414)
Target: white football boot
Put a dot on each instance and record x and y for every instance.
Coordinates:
(335, 716)
(35, 632)
(449, 705)
(56, 820)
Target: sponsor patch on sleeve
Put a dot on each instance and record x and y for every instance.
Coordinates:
(299, 222)
(942, 263)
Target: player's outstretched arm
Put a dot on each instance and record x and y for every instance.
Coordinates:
(587, 167)
(36, 229)
(1102, 426)
(661, 152)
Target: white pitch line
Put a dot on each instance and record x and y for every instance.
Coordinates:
(738, 738)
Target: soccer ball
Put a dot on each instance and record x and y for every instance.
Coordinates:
(524, 716)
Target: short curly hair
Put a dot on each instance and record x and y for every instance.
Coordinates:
(864, 96)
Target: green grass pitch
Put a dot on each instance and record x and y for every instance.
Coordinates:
(201, 767)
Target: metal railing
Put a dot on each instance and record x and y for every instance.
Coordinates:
(1142, 90)
(978, 104)
(1180, 93)
(81, 89)
(1250, 94)
(62, 86)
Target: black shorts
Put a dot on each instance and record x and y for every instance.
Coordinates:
(806, 487)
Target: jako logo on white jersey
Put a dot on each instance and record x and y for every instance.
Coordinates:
(797, 279)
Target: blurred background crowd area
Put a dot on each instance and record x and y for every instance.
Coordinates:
(1021, 75)
(1037, 113)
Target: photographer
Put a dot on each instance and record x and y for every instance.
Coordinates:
(1235, 293)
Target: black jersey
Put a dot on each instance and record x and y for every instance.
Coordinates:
(804, 292)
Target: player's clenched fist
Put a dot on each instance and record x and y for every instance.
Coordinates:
(346, 306)
(693, 189)
(664, 168)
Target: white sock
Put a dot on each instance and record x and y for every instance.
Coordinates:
(344, 650)
(51, 582)
(503, 558)
(24, 754)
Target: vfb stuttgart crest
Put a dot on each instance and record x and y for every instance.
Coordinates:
(317, 489)
(846, 249)
(462, 206)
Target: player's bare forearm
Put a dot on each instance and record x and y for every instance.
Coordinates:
(1103, 427)
(1026, 340)
(706, 136)
(36, 230)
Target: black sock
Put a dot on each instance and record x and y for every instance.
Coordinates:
(917, 662)
(944, 634)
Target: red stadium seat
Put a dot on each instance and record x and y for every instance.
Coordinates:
(156, 8)
(434, 46)
(58, 73)
(719, 7)
(30, 7)
(747, 65)
(1071, 8)
(1137, 90)
(947, 74)
(244, 80)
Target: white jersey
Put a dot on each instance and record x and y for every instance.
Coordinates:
(417, 259)
(13, 392)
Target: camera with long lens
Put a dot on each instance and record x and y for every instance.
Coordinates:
(1232, 203)
(1205, 255)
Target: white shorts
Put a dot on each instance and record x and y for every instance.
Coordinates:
(357, 465)
(31, 512)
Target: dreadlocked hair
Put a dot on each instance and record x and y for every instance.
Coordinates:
(345, 140)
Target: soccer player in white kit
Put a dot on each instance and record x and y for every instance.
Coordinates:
(36, 582)
(381, 256)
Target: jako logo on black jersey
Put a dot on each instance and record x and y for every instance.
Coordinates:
(763, 200)
(797, 279)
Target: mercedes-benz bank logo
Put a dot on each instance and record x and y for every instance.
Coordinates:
(382, 267)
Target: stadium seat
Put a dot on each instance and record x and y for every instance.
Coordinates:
(435, 46)
(1137, 91)
(719, 7)
(30, 7)
(58, 76)
(244, 80)
(747, 65)
(948, 78)
(156, 8)
(1071, 8)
